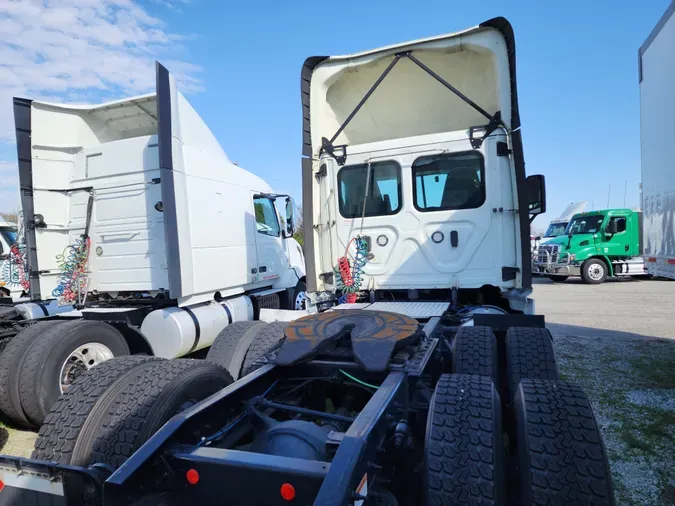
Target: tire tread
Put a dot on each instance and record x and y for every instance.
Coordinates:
(11, 361)
(57, 436)
(561, 452)
(464, 443)
(475, 352)
(39, 351)
(124, 417)
(266, 341)
(529, 355)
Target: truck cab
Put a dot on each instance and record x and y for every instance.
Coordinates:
(595, 245)
(413, 177)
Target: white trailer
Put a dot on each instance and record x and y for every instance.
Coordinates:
(656, 68)
(135, 215)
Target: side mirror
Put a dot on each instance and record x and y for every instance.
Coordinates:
(535, 186)
(291, 218)
(612, 227)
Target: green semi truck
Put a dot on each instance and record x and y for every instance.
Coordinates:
(595, 245)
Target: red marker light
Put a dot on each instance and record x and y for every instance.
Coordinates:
(192, 476)
(288, 491)
(2, 485)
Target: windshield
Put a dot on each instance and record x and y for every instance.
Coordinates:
(555, 229)
(9, 236)
(585, 225)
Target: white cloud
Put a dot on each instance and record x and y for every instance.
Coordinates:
(172, 4)
(83, 51)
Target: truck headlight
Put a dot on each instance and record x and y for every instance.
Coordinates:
(573, 257)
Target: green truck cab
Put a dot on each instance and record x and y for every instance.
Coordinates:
(595, 245)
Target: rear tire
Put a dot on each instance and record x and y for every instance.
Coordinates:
(48, 366)
(560, 450)
(134, 407)
(57, 436)
(464, 448)
(232, 346)
(594, 271)
(268, 339)
(529, 355)
(475, 353)
(11, 361)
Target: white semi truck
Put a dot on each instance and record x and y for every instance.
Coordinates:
(557, 227)
(656, 68)
(419, 379)
(135, 215)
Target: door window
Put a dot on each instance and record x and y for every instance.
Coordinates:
(449, 181)
(384, 189)
(620, 223)
(266, 219)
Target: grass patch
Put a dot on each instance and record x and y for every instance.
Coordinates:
(655, 364)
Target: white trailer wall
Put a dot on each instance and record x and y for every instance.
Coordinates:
(657, 126)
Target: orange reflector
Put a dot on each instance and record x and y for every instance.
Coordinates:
(192, 476)
(288, 491)
(651, 259)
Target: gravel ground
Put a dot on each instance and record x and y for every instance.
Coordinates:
(615, 340)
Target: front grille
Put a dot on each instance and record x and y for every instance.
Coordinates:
(551, 249)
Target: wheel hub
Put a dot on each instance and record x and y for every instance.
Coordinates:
(81, 360)
(596, 271)
(301, 301)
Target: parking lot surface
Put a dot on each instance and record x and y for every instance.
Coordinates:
(618, 341)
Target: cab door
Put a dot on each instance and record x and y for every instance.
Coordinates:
(268, 238)
(618, 244)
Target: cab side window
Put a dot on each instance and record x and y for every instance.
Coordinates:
(620, 223)
(266, 220)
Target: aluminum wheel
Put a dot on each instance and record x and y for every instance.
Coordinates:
(301, 301)
(82, 359)
(596, 272)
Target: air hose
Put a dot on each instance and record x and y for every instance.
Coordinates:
(349, 275)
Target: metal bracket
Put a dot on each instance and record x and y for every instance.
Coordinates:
(327, 147)
(494, 124)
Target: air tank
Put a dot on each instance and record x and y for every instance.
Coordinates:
(40, 309)
(176, 331)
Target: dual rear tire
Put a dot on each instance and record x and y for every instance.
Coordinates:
(554, 441)
(116, 407)
(43, 360)
(112, 409)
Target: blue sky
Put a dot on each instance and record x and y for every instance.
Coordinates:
(240, 63)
